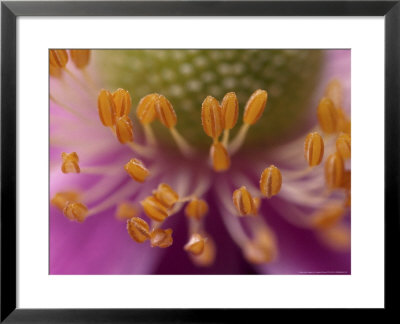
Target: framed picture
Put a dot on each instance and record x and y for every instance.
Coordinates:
(194, 158)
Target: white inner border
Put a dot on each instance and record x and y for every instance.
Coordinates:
(363, 288)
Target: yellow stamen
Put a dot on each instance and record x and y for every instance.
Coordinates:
(161, 238)
(225, 137)
(346, 184)
(183, 146)
(75, 211)
(124, 129)
(230, 110)
(122, 101)
(80, 58)
(211, 117)
(110, 200)
(154, 209)
(255, 107)
(195, 245)
(196, 209)
(137, 170)
(149, 134)
(230, 113)
(334, 92)
(141, 149)
(138, 229)
(343, 146)
(334, 171)
(70, 110)
(126, 211)
(347, 202)
(88, 84)
(165, 112)
(327, 216)
(55, 71)
(337, 237)
(58, 58)
(254, 253)
(135, 147)
(98, 170)
(166, 195)
(146, 109)
(238, 141)
(270, 181)
(263, 247)
(256, 205)
(219, 157)
(327, 116)
(343, 122)
(313, 149)
(207, 257)
(106, 108)
(347, 127)
(243, 201)
(70, 163)
(61, 199)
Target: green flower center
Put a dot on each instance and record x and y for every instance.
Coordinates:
(187, 77)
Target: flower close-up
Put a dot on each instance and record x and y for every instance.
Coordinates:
(200, 161)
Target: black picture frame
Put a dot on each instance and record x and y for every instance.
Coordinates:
(390, 10)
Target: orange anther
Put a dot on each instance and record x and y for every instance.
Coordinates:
(313, 149)
(154, 209)
(255, 107)
(161, 238)
(122, 101)
(346, 184)
(137, 170)
(343, 122)
(70, 163)
(347, 127)
(219, 157)
(166, 195)
(196, 209)
(243, 201)
(262, 248)
(124, 129)
(106, 108)
(327, 216)
(55, 71)
(126, 211)
(75, 211)
(270, 181)
(337, 237)
(327, 116)
(195, 245)
(80, 58)
(138, 229)
(146, 110)
(347, 202)
(58, 58)
(61, 199)
(334, 92)
(165, 112)
(211, 117)
(256, 254)
(343, 146)
(230, 110)
(206, 258)
(334, 171)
